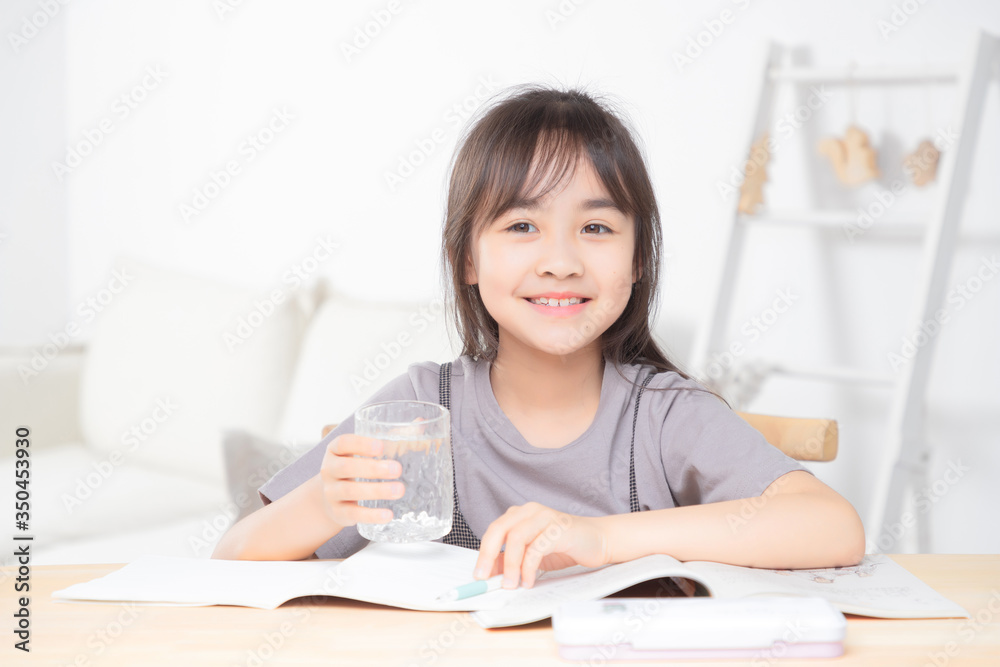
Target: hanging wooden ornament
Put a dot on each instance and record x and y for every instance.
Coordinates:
(921, 164)
(755, 175)
(853, 158)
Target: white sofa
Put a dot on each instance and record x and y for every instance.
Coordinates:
(189, 393)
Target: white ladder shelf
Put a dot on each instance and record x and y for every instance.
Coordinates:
(903, 468)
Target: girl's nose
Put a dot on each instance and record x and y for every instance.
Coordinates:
(559, 257)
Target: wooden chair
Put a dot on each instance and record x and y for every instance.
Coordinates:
(802, 439)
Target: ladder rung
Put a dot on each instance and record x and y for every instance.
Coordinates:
(837, 374)
(901, 74)
(834, 219)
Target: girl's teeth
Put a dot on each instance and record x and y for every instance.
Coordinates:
(556, 302)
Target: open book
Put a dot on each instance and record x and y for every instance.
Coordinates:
(412, 576)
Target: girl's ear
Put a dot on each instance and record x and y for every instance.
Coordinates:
(471, 278)
(637, 273)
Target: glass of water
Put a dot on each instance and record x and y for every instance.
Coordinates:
(418, 435)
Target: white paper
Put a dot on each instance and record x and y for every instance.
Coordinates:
(876, 586)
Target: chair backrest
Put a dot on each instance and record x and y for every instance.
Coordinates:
(802, 439)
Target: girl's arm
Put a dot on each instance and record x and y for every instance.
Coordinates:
(798, 522)
(290, 528)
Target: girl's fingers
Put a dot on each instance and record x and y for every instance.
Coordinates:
(353, 491)
(366, 468)
(529, 546)
(495, 537)
(522, 530)
(358, 514)
(497, 565)
(349, 443)
(523, 533)
(512, 556)
(539, 548)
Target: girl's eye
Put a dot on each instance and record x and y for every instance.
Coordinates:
(519, 224)
(520, 227)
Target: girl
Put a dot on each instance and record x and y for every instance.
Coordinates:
(551, 247)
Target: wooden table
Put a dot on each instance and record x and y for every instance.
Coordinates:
(332, 631)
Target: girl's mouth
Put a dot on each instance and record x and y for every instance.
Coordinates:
(558, 303)
(558, 308)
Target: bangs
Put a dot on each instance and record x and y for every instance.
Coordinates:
(524, 167)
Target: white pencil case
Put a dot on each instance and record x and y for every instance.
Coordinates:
(701, 627)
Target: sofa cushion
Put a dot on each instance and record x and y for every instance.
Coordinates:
(175, 358)
(352, 348)
(76, 495)
(172, 538)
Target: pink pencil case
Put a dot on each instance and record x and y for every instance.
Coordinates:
(692, 628)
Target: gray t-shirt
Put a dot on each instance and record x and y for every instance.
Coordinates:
(689, 449)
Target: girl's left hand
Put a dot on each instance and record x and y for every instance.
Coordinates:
(538, 537)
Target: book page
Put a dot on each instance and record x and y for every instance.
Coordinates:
(578, 584)
(878, 586)
(403, 575)
(178, 581)
(411, 576)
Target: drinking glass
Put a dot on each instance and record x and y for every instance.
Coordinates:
(418, 435)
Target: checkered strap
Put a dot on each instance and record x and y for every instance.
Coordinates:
(633, 496)
(461, 535)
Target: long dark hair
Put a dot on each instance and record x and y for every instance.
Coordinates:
(489, 172)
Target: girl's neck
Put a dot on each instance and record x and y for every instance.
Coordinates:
(532, 382)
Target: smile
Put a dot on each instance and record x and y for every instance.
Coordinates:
(557, 309)
(558, 303)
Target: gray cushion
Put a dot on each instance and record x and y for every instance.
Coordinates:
(250, 461)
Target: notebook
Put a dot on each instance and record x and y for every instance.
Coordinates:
(412, 576)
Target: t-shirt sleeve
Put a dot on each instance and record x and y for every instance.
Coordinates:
(307, 466)
(709, 453)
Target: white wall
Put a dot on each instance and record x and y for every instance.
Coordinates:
(220, 77)
(34, 241)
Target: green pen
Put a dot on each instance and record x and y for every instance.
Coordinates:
(471, 589)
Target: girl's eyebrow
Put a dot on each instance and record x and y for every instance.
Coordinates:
(532, 204)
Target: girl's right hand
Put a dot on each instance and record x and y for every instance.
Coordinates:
(341, 492)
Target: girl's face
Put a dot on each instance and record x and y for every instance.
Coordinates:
(572, 243)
